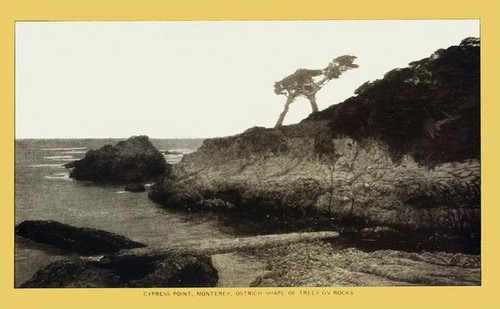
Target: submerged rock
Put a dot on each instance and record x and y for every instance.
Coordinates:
(380, 233)
(129, 161)
(75, 239)
(135, 188)
(173, 271)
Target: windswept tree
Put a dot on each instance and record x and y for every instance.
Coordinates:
(307, 83)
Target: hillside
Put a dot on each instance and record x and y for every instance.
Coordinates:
(402, 155)
(430, 109)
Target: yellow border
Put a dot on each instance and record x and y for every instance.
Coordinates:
(488, 11)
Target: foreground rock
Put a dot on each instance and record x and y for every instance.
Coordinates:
(322, 264)
(69, 238)
(221, 246)
(173, 271)
(131, 161)
(403, 154)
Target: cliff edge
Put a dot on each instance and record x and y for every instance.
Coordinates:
(404, 153)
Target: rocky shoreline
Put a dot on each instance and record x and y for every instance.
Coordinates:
(326, 264)
(363, 186)
(418, 173)
(93, 269)
(81, 240)
(397, 166)
(308, 263)
(173, 271)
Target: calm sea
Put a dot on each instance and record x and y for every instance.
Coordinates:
(44, 191)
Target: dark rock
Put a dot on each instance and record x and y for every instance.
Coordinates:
(132, 160)
(380, 233)
(81, 240)
(135, 188)
(72, 274)
(166, 192)
(173, 271)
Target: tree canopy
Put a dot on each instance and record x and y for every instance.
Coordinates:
(430, 109)
(307, 82)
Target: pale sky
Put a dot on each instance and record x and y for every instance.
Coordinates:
(198, 78)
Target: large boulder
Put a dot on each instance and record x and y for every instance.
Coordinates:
(86, 241)
(172, 271)
(130, 161)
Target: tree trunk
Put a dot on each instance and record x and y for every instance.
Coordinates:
(289, 101)
(314, 105)
(220, 246)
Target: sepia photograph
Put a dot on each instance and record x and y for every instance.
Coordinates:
(240, 153)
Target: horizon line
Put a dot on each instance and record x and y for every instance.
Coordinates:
(102, 137)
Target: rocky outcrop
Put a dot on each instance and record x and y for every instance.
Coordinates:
(410, 163)
(129, 161)
(161, 270)
(85, 241)
(173, 271)
(429, 110)
(322, 264)
(358, 183)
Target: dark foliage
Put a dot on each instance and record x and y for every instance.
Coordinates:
(430, 109)
(294, 81)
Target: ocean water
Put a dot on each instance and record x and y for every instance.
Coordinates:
(44, 191)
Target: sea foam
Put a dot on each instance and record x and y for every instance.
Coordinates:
(46, 165)
(65, 149)
(59, 176)
(59, 157)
